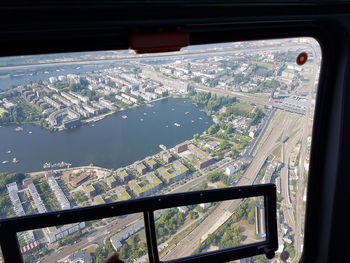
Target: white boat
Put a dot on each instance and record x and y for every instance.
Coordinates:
(9, 151)
(162, 146)
(14, 160)
(19, 129)
(145, 113)
(186, 112)
(141, 119)
(166, 126)
(192, 121)
(4, 162)
(30, 132)
(176, 124)
(200, 118)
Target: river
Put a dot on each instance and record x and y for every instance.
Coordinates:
(111, 143)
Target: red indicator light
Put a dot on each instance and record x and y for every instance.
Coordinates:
(302, 58)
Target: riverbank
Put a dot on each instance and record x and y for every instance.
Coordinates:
(83, 122)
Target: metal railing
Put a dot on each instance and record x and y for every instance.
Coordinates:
(11, 226)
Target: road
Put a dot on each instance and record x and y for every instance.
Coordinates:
(92, 237)
(242, 96)
(99, 235)
(288, 210)
(187, 245)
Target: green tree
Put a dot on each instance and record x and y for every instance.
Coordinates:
(212, 129)
(99, 255)
(223, 144)
(193, 215)
(195, 136)
(213, 176)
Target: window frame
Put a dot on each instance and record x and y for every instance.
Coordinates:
(225, 21)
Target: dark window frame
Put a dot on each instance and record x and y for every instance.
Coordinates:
(107, 25)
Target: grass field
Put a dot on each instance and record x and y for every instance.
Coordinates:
(242, 106)
(2, 111)
(263, 64)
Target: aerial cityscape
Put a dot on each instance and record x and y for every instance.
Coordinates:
(93, 128)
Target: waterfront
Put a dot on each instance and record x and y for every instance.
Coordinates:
(111, 143)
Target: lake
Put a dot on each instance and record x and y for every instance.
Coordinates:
(111, 143)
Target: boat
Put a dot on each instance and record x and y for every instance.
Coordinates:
(176, 124)
(141, 119)
(163, 147)
(19, 129)
(14, 160)
(124, 117)
(172, 109)
(166, 126)
(9, 151)
(4, 162)
(30, 132)
(93, 125)
(200, 118)
(56, 165)
(192, 121)
(145, 113)
(186, 112)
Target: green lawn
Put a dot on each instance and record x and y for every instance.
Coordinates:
(242, 106)
(263, 64)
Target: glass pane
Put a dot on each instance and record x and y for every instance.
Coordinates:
(195, 229)
(92, 241)
(82, 129)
